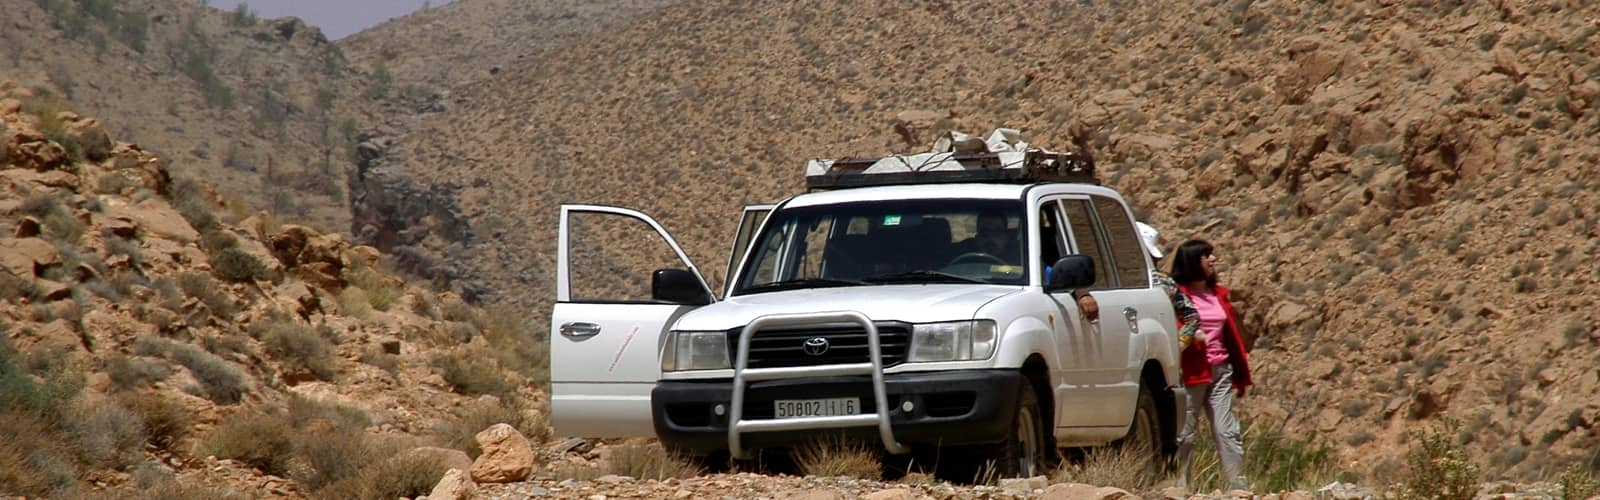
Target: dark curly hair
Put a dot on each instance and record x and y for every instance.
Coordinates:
(1186, 266)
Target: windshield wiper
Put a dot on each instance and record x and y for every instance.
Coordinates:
(800, 283)
(922, 275)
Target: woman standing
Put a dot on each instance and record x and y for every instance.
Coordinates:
(1215, 366)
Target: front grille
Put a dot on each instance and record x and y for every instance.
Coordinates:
(778, 348)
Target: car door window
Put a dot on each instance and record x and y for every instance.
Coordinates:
(1052, 238)
(612, 256)
(1087, 240)
(1127, 252)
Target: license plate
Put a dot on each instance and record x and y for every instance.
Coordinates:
(801, 408)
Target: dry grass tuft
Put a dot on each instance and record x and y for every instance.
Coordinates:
(649, 461)
(261, 440)
(833, 456)
(131, 373)
(461, 434)
(1119, 466)
(353, 303)
(298, 347)
(472, 372)
(166, 422)
(402, 476)
(104, 434)
(382, 291)
(1437, 467)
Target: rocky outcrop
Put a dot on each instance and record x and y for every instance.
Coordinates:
(397, 215)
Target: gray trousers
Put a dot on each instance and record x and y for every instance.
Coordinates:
(1217, 399)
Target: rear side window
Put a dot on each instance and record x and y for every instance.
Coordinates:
(1126, 251)
(1086, 236)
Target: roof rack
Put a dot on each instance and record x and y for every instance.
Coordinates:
(1012, 167)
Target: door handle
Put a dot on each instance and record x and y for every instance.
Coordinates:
(579, 330)
(1133, 318)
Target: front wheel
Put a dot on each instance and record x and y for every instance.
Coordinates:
(1023, 454)
(1144, 435)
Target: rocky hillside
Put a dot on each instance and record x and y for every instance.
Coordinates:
(1403, 192)
(156, 342)
(470, 40)
(268, 110)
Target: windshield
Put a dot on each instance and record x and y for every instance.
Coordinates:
(916, 241)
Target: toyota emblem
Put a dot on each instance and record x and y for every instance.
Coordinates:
(815, 346)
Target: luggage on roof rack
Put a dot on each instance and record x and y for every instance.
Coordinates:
(957, 157)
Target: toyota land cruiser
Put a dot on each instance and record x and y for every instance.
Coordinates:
(920, 301)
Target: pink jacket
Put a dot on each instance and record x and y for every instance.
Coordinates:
(1195, 368)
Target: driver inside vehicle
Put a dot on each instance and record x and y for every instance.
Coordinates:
(994, 237)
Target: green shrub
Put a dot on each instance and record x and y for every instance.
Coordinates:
(190, 200)
(166, 422)
(262, 440)
(381, 292)
(104, 434)
(221, 381)
(215, 239)
(515, 343)
(1437, 467)
(471, 374)
(297, 347)
(21, 394)
(331, 455)
(202, 286)
(233, 264)
(132, 373)
(404, 476)
(32, 461)
(1273, 461)
(353, 303)
(1578, 484)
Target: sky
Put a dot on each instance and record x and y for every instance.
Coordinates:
(337, 18)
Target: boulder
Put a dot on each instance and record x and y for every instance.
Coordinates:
(894, 494)
(1076, 491)
(507, 455)
(27, 257)
(157, 218)
(455, 485)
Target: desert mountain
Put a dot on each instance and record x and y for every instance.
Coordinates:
(269, 111)
(1403, 192)
(155, 342)
(463, 42)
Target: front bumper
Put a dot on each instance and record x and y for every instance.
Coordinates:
(949, 408)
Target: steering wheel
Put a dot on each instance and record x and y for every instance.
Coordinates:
(976, 257)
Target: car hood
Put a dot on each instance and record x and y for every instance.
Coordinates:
(913, 303)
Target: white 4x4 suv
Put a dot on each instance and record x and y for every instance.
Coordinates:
(920, 306)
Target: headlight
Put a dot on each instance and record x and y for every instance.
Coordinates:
(952, 341)
(695, 351)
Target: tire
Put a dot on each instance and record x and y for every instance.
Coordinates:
(1024, 451)
(1144, 433)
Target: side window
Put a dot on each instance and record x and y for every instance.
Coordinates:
(1088, 241)
(1052, 240)
(1126, 249)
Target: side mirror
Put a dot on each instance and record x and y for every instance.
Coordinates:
(1071, 272)
(677, 286)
